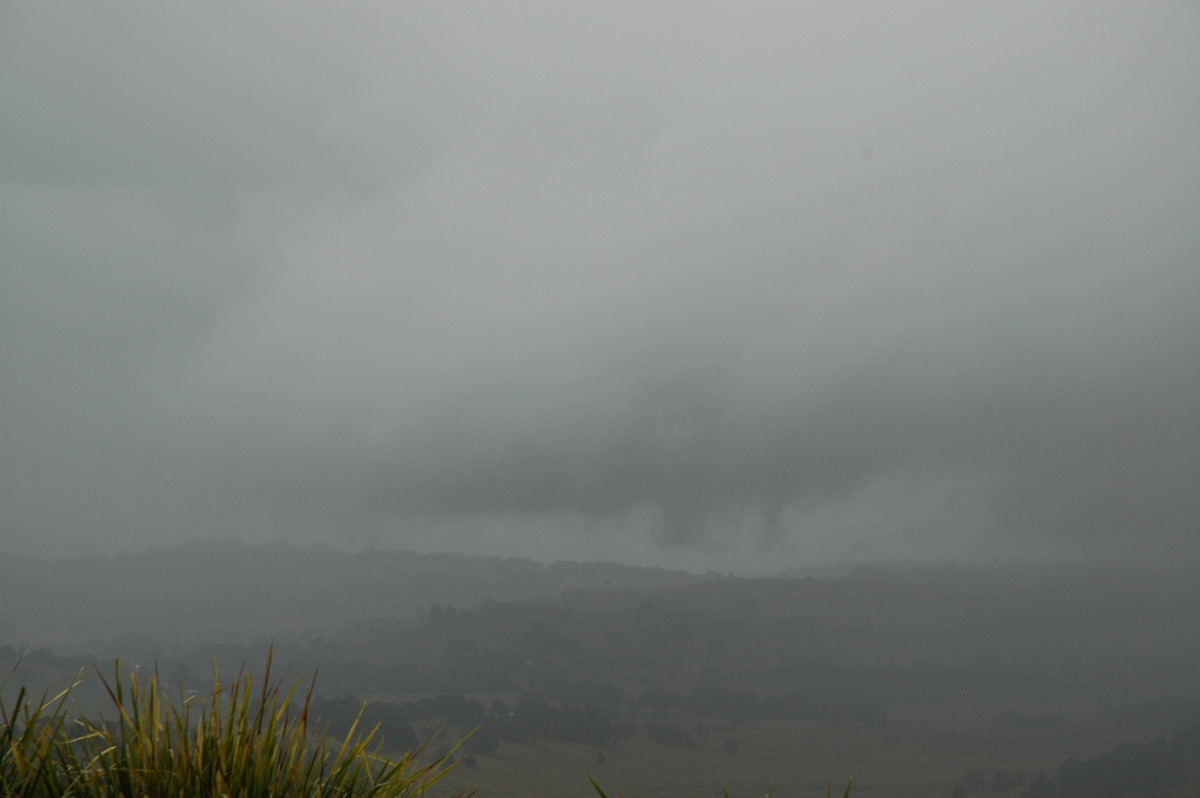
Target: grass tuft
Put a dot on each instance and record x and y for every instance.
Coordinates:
(242, 739)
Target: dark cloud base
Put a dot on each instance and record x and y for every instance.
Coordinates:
(747, 286)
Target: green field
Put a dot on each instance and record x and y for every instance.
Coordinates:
(923, 751)
(910, 681)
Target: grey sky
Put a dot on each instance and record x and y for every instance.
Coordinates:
(694, 283)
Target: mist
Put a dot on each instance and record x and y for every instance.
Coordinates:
(700, 286)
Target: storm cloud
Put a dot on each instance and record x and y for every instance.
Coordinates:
(693, 283)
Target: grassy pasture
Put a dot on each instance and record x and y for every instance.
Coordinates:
(924, 751)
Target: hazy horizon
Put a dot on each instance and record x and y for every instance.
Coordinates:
(731, 287)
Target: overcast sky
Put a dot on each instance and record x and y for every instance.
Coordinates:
(725, 285)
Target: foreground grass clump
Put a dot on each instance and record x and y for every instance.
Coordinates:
(238, 741)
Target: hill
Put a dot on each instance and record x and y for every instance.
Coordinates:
(912, 679)
(235, 592)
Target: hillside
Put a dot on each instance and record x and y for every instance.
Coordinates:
(236, 592)
(911, 679)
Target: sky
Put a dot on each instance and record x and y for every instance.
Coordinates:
(705, 285)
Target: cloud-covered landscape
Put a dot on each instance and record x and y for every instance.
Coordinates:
(703, 285)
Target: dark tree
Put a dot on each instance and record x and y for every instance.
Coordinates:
(485, 741)
(469, 713)
(975, 781)
(1042, 786)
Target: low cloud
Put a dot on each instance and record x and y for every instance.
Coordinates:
(744, 286)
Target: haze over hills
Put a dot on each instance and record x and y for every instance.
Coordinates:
(228, 590)
(897, 670)
(1097, 626)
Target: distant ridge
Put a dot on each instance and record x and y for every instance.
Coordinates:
(233, 590)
